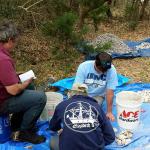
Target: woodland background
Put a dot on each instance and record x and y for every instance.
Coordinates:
(50, 29)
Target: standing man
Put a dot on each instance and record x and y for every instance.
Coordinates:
(25, 105)
(101, 78)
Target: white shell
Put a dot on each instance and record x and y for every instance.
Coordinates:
(121, 136)
(115, 129)
(119, 142)
(124, 137)
(123, 142)
(145, 94)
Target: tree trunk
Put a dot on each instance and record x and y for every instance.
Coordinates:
(83, 11)
(142, 12)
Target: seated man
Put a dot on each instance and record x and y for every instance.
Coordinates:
(25, 105)
(101, 78)
(81, 123)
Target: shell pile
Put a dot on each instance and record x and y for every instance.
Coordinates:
(145, 94)
(144, 45)
(124, 137)
(117, 45)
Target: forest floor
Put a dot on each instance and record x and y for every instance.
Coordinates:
(37, 53)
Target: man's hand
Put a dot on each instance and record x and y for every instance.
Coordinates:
(27, 82)
(18, 87)
(60, 131)
(110, 116)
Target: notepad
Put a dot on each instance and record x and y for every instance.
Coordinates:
(27, 75)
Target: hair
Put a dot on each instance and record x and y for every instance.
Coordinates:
(7, 31)
(103, 60)
(73, 92)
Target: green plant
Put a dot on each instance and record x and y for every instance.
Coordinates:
(8, 8)
(98, 48)
(62, 29)
(132, 24)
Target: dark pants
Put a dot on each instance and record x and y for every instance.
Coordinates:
(26, 109)
(54, 142)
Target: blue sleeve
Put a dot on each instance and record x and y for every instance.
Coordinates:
(80, 75)
(55, 122)
(107, 130)
(112, 79)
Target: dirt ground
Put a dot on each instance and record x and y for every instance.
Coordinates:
(60, 67)
(138, 68)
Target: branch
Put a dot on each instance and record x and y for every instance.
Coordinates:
(34, 20)
(34, 4)
(30, 11)
(26, 8)
(26, 2)
(22, 7)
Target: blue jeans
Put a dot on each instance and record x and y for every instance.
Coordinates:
(25, 107)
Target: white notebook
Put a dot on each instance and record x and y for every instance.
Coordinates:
(27, 75)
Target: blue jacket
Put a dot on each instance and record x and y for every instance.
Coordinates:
(85, 126)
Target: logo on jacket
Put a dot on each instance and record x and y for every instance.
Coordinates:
(81, 117)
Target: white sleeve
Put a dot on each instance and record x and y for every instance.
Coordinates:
(80, 75)
(112, 79)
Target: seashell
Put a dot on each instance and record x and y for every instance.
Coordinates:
(123, 142)
(121, 136)
(145, 94)
(119, 142)
(117, 45)
(124, 137)
(128, 134)
(115, 129)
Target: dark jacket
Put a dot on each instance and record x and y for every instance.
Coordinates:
(85, 126)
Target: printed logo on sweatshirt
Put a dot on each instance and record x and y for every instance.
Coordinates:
(81, 117)
(95, 80)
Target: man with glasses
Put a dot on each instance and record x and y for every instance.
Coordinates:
(24, 105)
(101, 78)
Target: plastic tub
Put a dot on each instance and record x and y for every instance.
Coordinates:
(53, 99)
(128, 109)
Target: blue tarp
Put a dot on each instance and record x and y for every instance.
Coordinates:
(68, 82)
(139, 52)
(10, 145)
(141, 138)
(136, 50)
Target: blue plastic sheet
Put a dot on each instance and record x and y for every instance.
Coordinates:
(10, 145)
(4, 128)
(140, 52)
(68, 82)
(141, 138)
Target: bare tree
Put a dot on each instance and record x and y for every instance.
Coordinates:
(28, 8)
(144, 5)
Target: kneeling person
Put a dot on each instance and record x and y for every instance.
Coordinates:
(85, 125)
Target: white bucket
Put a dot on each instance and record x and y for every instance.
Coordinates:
(128, 109)
(53, 99)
